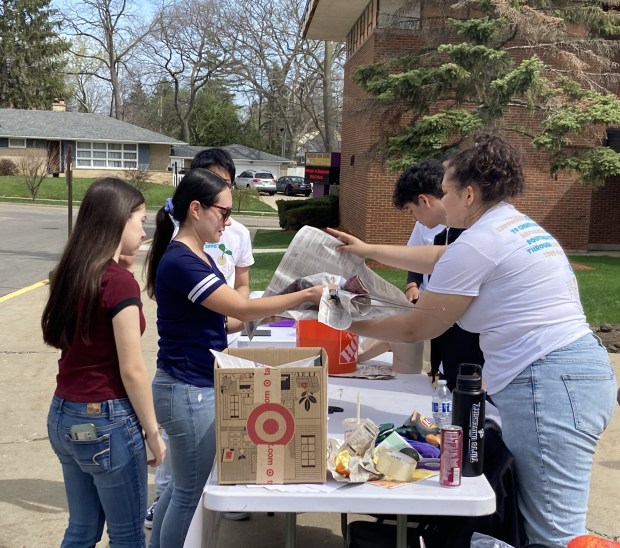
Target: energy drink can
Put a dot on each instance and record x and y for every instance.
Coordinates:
(451, 459)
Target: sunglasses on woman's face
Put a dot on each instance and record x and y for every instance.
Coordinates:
(226, 211)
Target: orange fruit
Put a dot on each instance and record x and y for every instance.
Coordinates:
(590, 541)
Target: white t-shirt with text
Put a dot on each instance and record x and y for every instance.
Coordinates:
(526, 298)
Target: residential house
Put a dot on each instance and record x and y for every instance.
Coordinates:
(377, 30)
(100, 145)
(244, 158)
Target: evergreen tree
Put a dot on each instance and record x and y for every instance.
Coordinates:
(215, 119)
(494, 63)
(31, 54)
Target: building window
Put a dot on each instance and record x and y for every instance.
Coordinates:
(106, 155)
(363, 27)
(17, 143)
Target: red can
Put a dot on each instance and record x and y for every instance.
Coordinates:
(451, 459)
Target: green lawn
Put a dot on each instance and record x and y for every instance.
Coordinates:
(54, 191)
(599, 287)
(274, 239)
(599, 284)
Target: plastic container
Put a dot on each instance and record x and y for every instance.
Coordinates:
(442, 405)
(341, 346)
(468, 403)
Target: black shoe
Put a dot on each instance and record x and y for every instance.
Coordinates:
(236, 516)
(148, 520)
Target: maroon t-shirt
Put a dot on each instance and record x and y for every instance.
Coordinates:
(91, 373)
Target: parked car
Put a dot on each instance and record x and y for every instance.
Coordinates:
(262, 181)
(293, 185)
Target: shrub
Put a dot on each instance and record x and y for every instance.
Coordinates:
(137, 177)
(7, 167)
(319, 213)
(33, 171)
(243, 196)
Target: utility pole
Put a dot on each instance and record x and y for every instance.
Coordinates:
(283, 135)
(69, 180)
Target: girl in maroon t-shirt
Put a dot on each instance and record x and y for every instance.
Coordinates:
(103, 398)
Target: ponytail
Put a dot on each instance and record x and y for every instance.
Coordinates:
(164, 229)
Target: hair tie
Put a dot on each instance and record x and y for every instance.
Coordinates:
(169, 206)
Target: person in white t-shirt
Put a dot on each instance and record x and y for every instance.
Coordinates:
(233, 256)
(508, 279)
(418, 192)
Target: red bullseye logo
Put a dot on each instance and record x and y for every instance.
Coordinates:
(270, 424)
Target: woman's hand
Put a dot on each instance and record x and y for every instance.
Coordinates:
(351, 244)
(157, 447)
(315, 293)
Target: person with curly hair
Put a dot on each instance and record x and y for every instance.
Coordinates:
(508, 279)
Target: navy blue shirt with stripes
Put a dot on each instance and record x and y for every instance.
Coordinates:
(187, 330)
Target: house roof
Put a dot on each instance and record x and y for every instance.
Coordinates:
(62, 125)
(238, 152)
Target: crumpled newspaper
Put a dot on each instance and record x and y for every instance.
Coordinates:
(361, 467)
(359, 445)
(346, 298)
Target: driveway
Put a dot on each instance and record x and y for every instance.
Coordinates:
(271, 200)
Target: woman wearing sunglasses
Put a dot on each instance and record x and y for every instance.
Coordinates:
(194, 303)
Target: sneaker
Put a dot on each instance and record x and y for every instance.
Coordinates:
(236, 516)
(148, 520)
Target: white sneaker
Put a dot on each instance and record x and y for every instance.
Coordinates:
(237, 516)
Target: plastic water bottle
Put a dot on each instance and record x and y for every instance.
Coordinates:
(442, 405)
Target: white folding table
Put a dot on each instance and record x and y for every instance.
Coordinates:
(382, 401)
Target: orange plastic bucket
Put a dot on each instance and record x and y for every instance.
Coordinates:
(341, 346)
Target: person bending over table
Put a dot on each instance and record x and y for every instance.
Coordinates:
(509, 280)
(193, 303)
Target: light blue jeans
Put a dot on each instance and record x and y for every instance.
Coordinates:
(187, 414)
(553, 414)
(105, 478)
(163, 472)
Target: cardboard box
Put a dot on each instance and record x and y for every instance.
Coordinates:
(271, 423)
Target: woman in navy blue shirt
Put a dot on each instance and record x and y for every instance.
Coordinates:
(193, 306)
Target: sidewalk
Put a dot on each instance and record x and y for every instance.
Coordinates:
(33, 509)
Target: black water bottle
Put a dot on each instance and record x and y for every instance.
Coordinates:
(468, 401)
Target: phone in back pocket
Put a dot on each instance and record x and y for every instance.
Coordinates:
(86, 431)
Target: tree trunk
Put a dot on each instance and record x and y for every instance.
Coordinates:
(329, 137)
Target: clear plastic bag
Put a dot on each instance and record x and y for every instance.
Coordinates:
(478, 540)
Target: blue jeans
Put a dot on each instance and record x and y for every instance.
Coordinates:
(163, 472)
(553, 414)
(105, 478)
(187, 414)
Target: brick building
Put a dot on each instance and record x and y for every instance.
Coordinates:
(376, 30)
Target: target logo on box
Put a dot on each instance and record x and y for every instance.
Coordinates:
(270, 424)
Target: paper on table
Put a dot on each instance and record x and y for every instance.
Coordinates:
(370, 371)
(301, 487)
